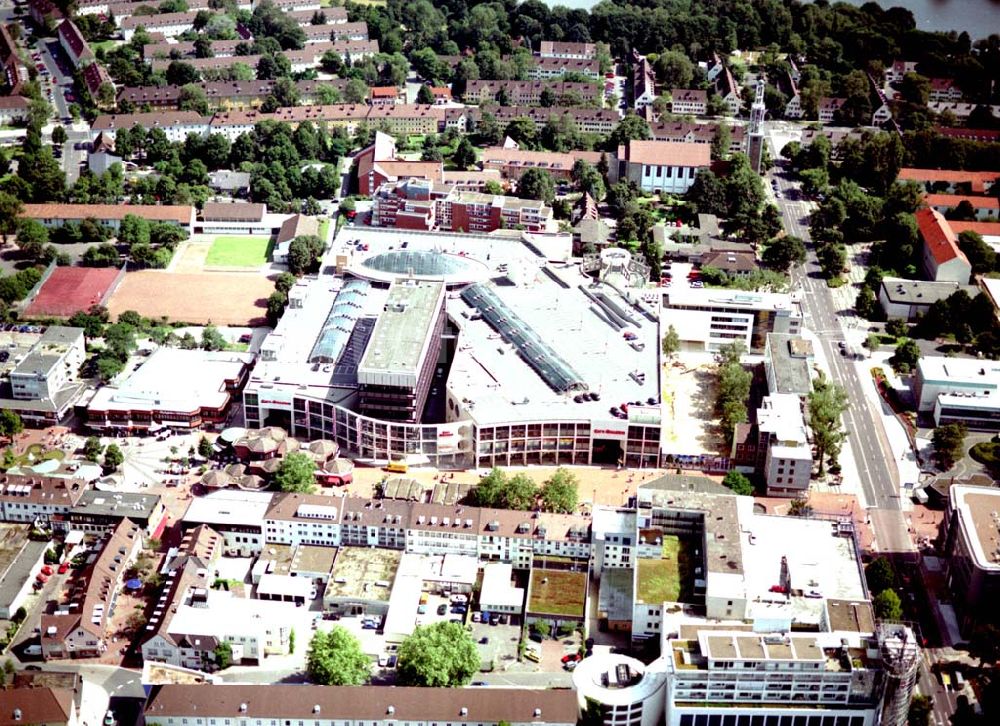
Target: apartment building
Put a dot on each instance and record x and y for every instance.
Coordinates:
(303, 519)
(79, 627)
(170, 25)
(100, 512)
(787, 465)
(688, 101)
(698, 133)
(38, 498)
(50, 365)
(944, 90)
(985, 208)
(643, 82)
(828, 108)
(71, 40)
(588, 120)
(529, 93)
(552, 68)
(13, 72)
(727, 87)
(952, 181)
(566, 50)
(176, 125)
(423, 205)
(512, 162)
(943, 260)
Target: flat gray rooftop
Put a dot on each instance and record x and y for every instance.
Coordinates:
(401, 334)
(790, 357)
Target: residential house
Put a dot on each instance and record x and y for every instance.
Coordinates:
(38, 705)
(688, 101)
(386, 96)
(442, 95)
(295, 226)
(944, 90)
(698, 133)
(44, 13)
(78, 628)
(734, 264)
(175, 124)
(37, 498)
(894, 73)
(713, 67)
(13, 109)
(942, 258)
(949, 181)
(793, 109)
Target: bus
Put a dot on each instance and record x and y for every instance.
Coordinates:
(398, 467)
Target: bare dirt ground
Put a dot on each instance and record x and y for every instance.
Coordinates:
(197, 298)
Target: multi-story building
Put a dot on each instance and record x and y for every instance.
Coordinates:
(394, 375)
(13, 71)
(50, 365)
(944, 90)
(237, 516)
(904, 299)
(565, 49)
(983, 207)
(698, 133)
(38, 498)
(511, 162)
(529, 93)
(971, 553)
(727, 87)
(643, 82)
(543, 68)
(45, 13)
(78, 628)
(660, 166)
(422, 205)
(171, 705)
(170, 25)
(951, 181)
(688, 101)
(588, 120)
(74, 44)
(898, 69)
(109, 215)
(100, 512)
(787, 465)
(943, 259)
(304, 519)
(828, 108)
(39, 704)
(715, 318)
(956, 390)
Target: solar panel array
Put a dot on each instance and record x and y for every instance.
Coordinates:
(555, 371)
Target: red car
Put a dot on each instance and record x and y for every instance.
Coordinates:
(571, 658)
(47, 570)
(42, 578)
(63, 568)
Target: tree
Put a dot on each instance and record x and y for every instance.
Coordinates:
(537, 184)
(866, 304)
(205, 449)
(303, 253)
(906, 356)
(827, 402)
(880, 575)
(497, 491)
(10, 212)
(335, 658)
(984, 644)
(135, 622)
(113, 457)
(872, 343)
(92, 449)
(629, 128)
(919, 713)
(223, 654)
(438, 656)
(783, 252)
(559, 492)
(465, 154)
(58, 135)
(887, 605)
(738, 483)
(674, 69)
(133, 230)
(733, 388)
(671, 342)
(181, 74)
(949, 444)
(10, 424)
(425, 95)
(897, 328)
(192, 97)
(296, 473)
(32, 236)
(211, 338)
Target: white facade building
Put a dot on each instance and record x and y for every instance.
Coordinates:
(713, 318)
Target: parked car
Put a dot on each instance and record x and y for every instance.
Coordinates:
(63, 568)
(442, 609)
(47, 570)
(421, 609)
(571, 657)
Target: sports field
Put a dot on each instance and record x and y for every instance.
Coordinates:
(222, 298)
(238, 251)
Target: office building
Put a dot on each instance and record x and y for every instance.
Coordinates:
(711, 319)
(957, 390)
(971, 536)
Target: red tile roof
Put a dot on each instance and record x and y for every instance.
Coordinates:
(978, 179)
(986, 229)
(938, 236)
(953, 200)
(180, 214)
(669, 153)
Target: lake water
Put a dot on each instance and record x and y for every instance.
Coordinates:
(978, 17)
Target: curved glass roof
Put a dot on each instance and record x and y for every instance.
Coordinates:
(548, 364)
(420, 262)
(339, 323)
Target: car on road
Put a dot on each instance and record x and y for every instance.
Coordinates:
(571, 658)
(442, 609)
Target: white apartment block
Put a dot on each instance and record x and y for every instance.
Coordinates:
(50, 365)
(788, 462)
(716, 318)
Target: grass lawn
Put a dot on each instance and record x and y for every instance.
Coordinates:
(323, 227)
(239, 251)
(558, 592)
(667, 579)
(106, 44)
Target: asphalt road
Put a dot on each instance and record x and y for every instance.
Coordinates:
(874, 457)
